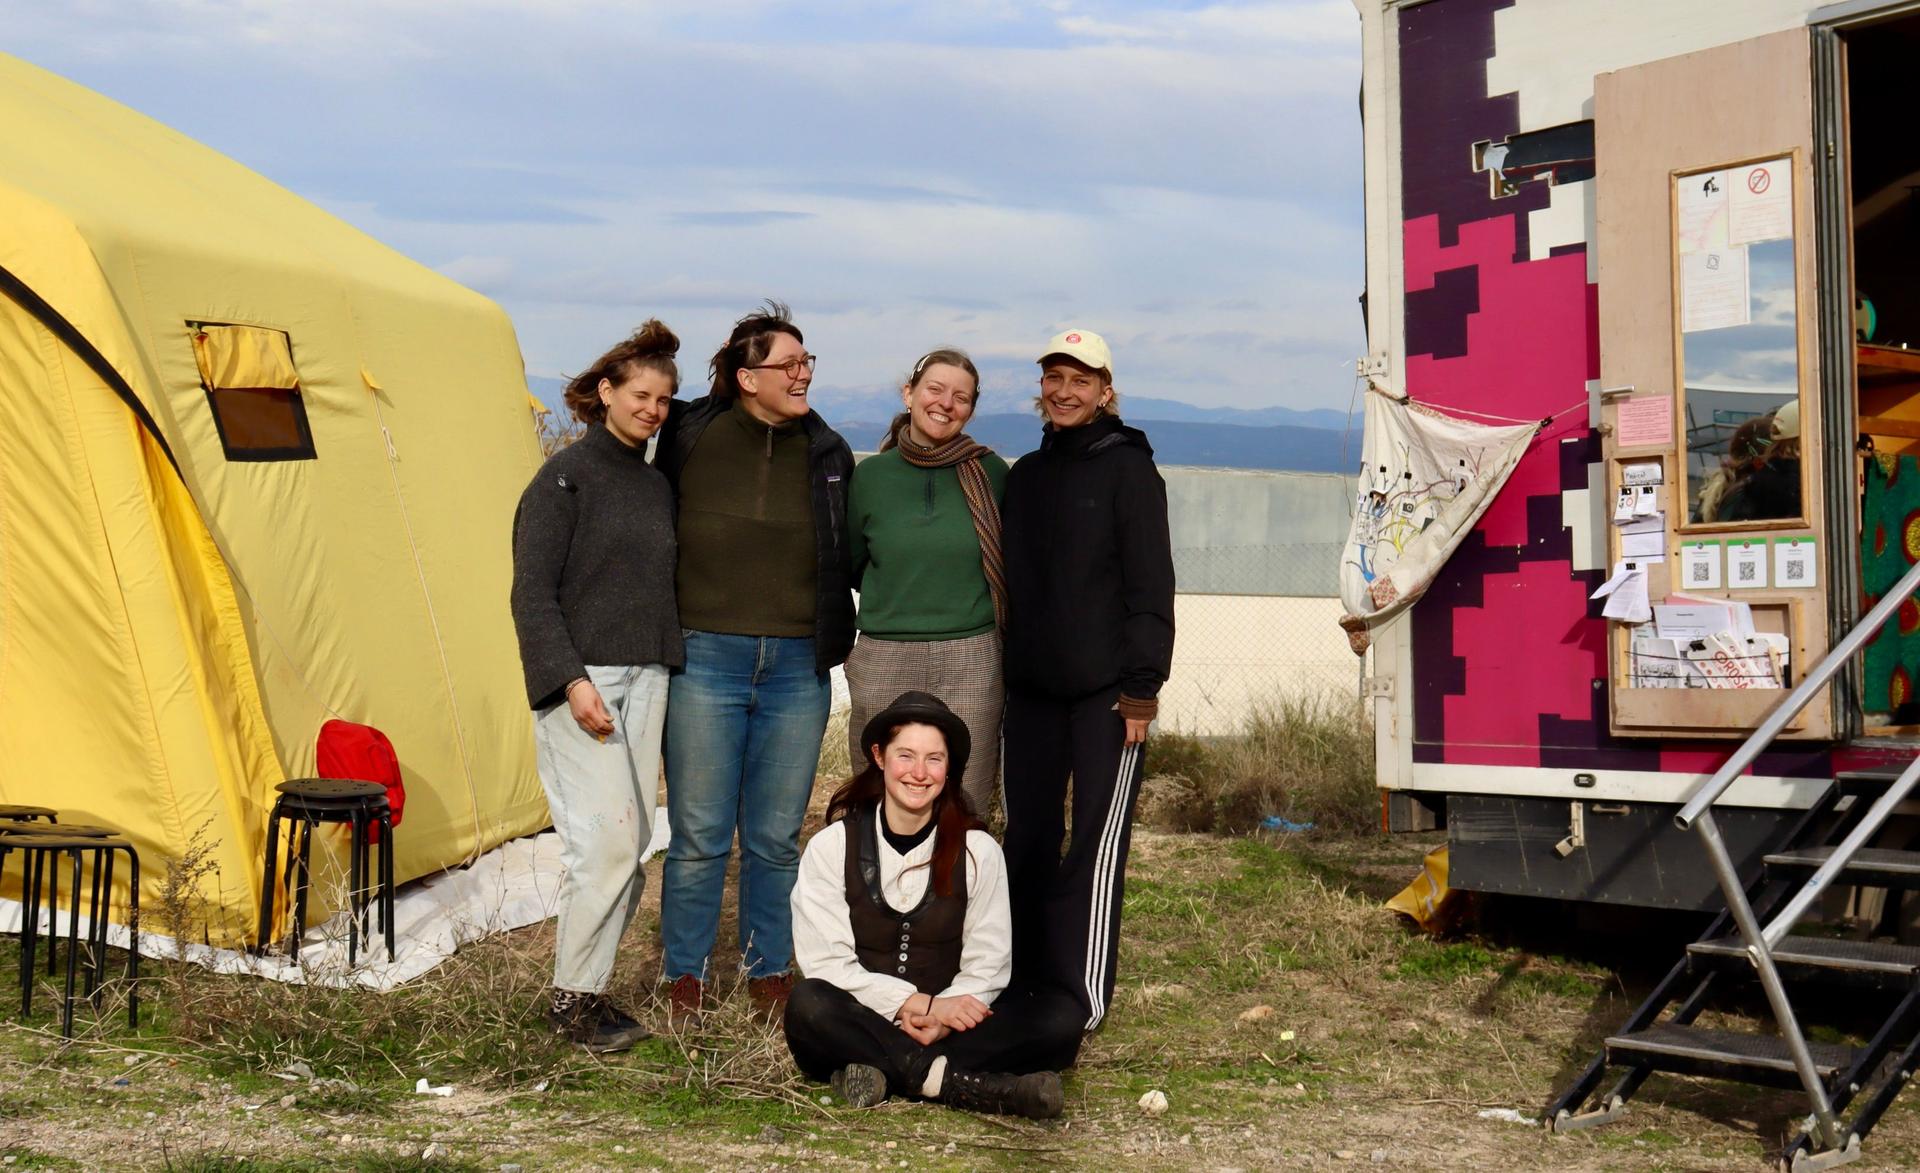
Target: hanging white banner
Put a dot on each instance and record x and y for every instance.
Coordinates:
(1425, 478)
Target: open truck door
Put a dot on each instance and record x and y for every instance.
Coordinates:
(1711, 389)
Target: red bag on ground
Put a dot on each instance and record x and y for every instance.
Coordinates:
(362, 753)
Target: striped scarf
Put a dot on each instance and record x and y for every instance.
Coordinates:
(962, 452)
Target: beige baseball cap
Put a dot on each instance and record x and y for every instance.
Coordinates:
(1786, 421)
(1082, 346)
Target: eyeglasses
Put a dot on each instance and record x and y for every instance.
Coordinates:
(792, 367)
(1053, 382)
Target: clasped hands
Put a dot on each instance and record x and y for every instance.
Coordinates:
(928, 1019)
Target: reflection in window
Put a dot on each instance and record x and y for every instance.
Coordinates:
(1741, 387)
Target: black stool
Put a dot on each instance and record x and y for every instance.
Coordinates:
(42, 859)
(50, 827)
(362, 806)
(15, 813)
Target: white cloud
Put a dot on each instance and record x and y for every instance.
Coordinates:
(978, 172)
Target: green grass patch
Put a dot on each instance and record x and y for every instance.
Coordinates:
(1427, 960)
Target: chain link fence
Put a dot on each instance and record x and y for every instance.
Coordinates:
(1256, 559)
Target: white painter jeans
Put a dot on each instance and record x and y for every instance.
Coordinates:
(601, 796)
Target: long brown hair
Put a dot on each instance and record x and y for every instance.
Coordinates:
(953, 815)
(650, 348)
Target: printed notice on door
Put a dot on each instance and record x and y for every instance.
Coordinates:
(1760, 202)
(1714, 293)
(1702, 201)
(1645, 422)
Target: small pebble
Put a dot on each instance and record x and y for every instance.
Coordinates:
(509, 1168)
(433, 1152)
(1344, 1154)
(130, 1060)
(893, 1144)
(286, 1101)
(1378, 1156)
(771, 1135)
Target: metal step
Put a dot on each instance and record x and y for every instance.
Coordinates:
(1724, 1054)
(1875, 867)
(1880, 962)
(1868, 779)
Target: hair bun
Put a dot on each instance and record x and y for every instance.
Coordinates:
(653, 337)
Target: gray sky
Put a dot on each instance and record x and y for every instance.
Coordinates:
(1184, 178)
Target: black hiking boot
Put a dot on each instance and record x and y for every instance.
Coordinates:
(860, 1086)
(1036, 1096)
(594, 1022)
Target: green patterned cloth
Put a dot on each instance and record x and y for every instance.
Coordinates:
(1889, 545)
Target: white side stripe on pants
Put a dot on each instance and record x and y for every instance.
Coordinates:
(1106, 873)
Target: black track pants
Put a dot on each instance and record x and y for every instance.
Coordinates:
(1066, 910)
(827, 1028)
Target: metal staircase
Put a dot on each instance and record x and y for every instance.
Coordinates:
(1754, 938)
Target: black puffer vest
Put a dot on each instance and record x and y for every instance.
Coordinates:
(921, 945)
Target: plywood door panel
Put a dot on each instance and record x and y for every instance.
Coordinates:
(1736, 103)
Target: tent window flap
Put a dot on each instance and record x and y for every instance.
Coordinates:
(253, 390)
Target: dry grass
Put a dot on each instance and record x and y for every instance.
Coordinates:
(1286, 1015)
(1303, 758)
(556, 430)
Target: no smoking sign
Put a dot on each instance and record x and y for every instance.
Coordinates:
(1759, 180)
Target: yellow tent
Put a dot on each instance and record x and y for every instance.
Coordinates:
(256, 470)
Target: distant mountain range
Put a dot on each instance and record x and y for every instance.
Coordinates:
(1313, 440)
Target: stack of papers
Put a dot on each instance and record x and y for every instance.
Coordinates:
(1706, 643)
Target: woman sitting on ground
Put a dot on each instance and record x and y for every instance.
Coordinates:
(902, 934)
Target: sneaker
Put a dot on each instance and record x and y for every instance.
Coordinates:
(683, 1002)
(769, 995)
(593, 1022)
(1036, 1097)
(860, 1086)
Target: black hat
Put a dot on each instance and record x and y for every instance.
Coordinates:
(922, 708)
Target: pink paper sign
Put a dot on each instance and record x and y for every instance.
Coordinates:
(1645, 421)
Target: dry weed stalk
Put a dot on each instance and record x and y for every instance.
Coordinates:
(556, 430)
(1305, 757)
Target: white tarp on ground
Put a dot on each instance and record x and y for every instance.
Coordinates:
(1425, 478)
(510, 887)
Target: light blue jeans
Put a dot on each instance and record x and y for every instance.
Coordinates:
(744, 723)
(601, 796)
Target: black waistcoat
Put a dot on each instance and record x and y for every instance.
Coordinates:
(921, 945)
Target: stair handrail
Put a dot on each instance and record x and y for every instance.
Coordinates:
(1696, 813)
(1705, 794)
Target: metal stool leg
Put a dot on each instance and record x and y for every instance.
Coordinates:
(305, 829)
(29, 926)
(133, 938)
(73, 946)
(356, 827)
(269, 882)
(386, 876)
(53, 921)
(96, 924)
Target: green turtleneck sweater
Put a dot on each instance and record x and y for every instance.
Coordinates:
(747, 555)
(916, 556)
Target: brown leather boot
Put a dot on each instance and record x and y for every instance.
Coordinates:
(769, 995)
(684, 999)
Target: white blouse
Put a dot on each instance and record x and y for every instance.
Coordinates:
(823, 925)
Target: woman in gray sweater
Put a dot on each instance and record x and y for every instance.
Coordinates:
(593, 605)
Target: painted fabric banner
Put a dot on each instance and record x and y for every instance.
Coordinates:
(1425, 478)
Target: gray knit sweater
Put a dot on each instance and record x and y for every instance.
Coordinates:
(593, 564)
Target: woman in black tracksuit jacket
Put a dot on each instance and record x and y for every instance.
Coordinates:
(1089, 643)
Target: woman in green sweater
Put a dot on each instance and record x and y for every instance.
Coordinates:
(924, 522)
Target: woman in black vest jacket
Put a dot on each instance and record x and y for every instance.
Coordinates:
(902, 932)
